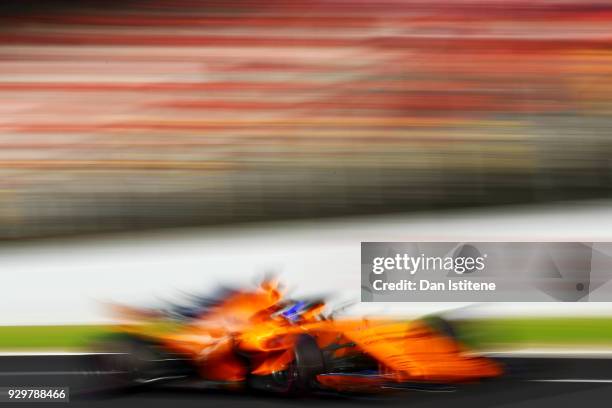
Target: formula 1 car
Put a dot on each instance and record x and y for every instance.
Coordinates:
(257, 340)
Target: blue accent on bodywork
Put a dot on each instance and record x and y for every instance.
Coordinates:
(294, 311)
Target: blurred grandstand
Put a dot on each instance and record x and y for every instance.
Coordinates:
(156, 113)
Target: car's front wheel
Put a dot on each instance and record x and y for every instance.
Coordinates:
(126, 361)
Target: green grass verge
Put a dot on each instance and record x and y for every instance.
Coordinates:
(534, 332)
(480, 334)
(50, 337)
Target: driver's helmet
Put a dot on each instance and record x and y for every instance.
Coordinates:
(301, 309)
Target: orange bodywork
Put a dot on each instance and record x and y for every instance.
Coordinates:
(244, 334)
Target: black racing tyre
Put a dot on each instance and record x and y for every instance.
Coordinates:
(127, 361)
(299, 376)
(309, 362)
(281, 382)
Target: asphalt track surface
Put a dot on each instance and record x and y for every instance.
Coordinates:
(535, 382)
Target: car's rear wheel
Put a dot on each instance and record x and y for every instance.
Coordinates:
(299, 376)
(309, 362)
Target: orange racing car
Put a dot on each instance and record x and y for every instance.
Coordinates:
(258, 340)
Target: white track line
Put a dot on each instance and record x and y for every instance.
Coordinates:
(529, 352)
(576, 380)
(35, 373)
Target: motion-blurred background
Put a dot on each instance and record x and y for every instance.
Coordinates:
(126, 115)
(131, 114)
